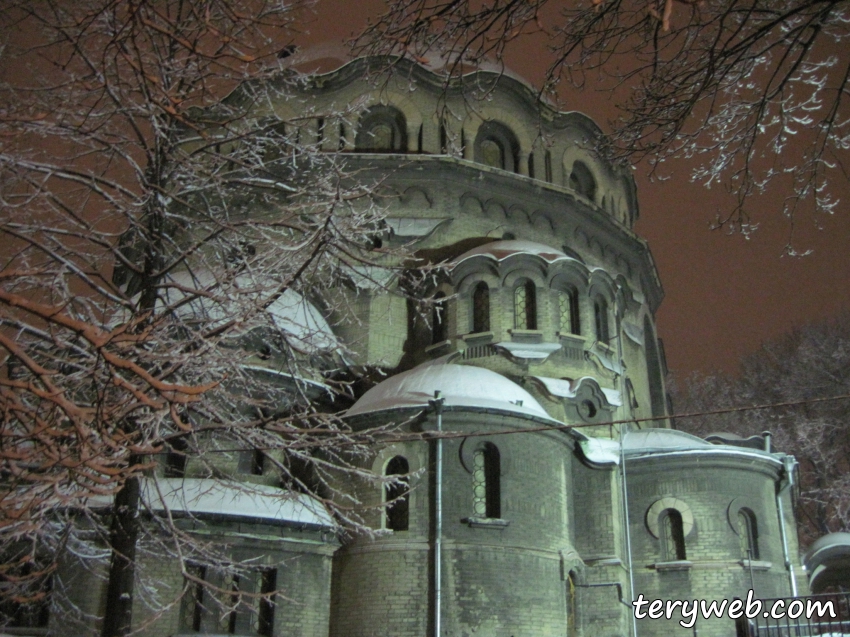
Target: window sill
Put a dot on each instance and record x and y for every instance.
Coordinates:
(438, 347)
(496, 524)
(676, 565)
(526, 336)
(756, 565)
(569, 337)
(477, 338)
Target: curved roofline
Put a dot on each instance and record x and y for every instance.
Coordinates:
(357, 67)
(463, 387)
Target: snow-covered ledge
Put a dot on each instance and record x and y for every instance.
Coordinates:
(530, 351)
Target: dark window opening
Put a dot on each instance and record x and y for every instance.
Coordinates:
(486, 476)
(481, 308)
(672, 535)
(444, 140)
(531, 165)
(176, 459)
(600, 315)
(29, 606)
(419, 140)
(396, 494)
(525, 306)
(548, 165)
(582, 181)
(247, 598)
(341, 144)
(439, 322)
(258, 462)
(320, 130)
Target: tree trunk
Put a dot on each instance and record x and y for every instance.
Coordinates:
(122, 569)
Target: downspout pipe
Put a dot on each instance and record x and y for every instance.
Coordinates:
(623, 433)
(785, 484)
(437, 406)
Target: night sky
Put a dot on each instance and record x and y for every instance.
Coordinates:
(724, 295)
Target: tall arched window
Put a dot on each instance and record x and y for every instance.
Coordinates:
(582, 181)
(481, 308)
(600, 316)
(439, 325)
(486, 489)
(568, 311)
(497, 146)
(653, 370)
(748, 534)
(398, 513)
(672, 535)
(382, 129)
(525, 305)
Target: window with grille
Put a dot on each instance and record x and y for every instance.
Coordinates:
(568, 317)
(486, 489)
(525, 306)
(382, 129)
(748, 534)
(481, 308)
(496, 146)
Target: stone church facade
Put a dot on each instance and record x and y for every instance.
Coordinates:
(542, 325)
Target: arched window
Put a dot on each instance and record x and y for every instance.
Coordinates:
(748, 534)
(568, 311)
(497, 146)
(382, 129)
(525, 305)
(672, 535)
(481, 308)
(486, 490)
(398, 513)
(653, 370)
(600, 316)
(582, 181)
(439, 324)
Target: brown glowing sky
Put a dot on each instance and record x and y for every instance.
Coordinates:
(724, 295)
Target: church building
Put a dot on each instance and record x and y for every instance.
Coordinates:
(547, 489)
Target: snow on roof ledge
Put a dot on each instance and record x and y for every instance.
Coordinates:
(235, 499)
(563, 388)
(460, 386)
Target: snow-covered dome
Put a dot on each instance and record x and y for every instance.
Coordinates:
(459, 385)
(658, 439)
(288, 311)
(501, 250)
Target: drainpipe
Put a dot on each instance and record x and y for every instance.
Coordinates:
(623, 433)
(788, 463)
(437, 405)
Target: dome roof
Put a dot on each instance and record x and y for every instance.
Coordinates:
(501, 250)
(460, 386)
(658, 439)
